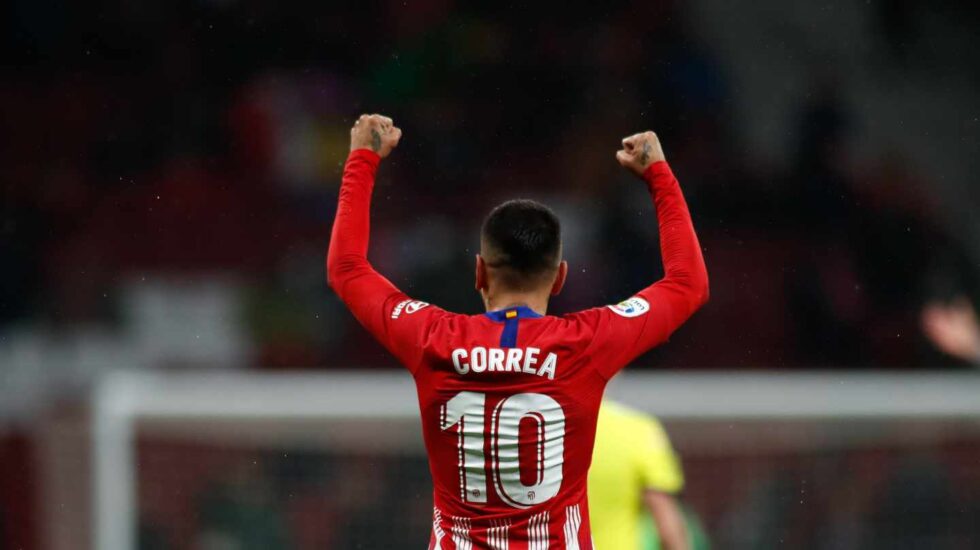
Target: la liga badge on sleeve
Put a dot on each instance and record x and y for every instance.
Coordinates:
(631, 307)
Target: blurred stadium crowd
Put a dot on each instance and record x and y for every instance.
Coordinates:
(170, 169)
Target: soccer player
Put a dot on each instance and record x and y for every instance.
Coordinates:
(509, 398)
(634, 468)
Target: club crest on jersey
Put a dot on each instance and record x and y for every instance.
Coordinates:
(408, 307)
(632, 307)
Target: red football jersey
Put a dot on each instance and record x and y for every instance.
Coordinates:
(509, 398)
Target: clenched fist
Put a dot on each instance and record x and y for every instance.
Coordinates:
(375, 132)
(639, 152)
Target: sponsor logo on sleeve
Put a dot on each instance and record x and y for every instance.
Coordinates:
(408, 307)
(632, 307)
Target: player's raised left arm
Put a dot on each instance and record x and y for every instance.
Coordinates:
(371, 139)
(629, 329)
(372, 299)
(684, 287)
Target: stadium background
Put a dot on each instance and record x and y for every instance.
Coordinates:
(170, 170)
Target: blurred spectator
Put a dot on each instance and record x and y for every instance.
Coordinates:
(948, 316)
(953, 328)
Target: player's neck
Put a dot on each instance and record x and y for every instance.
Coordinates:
(536, 301)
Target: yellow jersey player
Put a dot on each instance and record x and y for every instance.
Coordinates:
(635, 474)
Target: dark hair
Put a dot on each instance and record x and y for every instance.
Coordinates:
(521, 240)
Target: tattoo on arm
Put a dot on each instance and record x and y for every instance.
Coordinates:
(645, 155)
(375, 141)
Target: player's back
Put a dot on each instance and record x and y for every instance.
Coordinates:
(509, 402)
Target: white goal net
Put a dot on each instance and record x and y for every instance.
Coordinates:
(335, 460)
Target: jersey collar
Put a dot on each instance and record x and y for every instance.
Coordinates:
(518, 312)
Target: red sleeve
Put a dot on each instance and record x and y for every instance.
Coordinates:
(628, 329)
(398, 322)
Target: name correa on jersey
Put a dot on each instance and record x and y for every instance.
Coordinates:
(481, 359)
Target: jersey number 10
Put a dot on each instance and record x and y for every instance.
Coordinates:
(467, 411)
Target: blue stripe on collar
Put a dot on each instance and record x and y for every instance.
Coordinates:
(523, 312)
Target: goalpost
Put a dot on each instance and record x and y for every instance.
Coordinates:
(367, 422)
